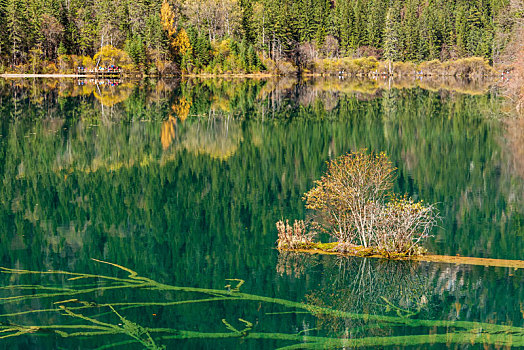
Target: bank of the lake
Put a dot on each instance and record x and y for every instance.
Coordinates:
(471, 67)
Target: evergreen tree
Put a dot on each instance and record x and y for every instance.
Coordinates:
(136, 49)
(322, 14)
(345, 22)
(16, 26)
(410, 32)
(430, 36)
(392, 36)
(474, 31)
(359, 36)
(375, 22)
(246, 21)
(461, 30)
(3, 28)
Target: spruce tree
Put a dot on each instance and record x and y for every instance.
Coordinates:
(410, 32)
(16, 27)
(322, 15)
(359, 36)
(246, 20)
(391, 36)
(3, 28)
(375, 22)
(430, 36)
(461, 30)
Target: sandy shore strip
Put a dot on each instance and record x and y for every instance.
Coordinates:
(41, 76)
(204, 76)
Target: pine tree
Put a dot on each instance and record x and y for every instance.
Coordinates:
(410, 32)
(202, 51)
(359, 37)
(135, 48)
(375, 22)
(154, 36)
(3, 28)
(86, 31)
(430, 35)
(474, 31)
(461, 30)
(16, 26)
(322, 14)
(346, 23)
(391, 36)
(246, 20)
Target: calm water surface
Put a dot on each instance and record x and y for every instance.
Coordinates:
(182, 182)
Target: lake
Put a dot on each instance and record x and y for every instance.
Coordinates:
(142, 215)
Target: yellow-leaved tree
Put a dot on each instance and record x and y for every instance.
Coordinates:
(178, 39)
(181, 44)
(110, 55)
(168, 132)
(169, 19)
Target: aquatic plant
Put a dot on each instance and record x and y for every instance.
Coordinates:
(293, 237)
(354, 202)
(69, 302)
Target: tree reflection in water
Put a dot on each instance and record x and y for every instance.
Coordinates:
(75, 314)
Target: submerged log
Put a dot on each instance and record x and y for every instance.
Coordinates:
(359, 251)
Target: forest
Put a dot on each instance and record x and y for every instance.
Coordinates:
(248, 36)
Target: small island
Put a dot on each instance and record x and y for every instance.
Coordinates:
(353, 203)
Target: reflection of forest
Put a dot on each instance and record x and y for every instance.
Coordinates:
(216, 137)
(405, 289)
(113, 91)
(515, 143)
(268, 140)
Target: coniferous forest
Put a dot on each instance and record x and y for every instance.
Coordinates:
(246, 36)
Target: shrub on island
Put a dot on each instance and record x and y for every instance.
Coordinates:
(353, 202)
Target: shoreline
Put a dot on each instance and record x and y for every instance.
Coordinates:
(24, 75)
(232, 75)
(247, 76)
(66, 75)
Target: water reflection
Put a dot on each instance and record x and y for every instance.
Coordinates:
(184, 180)
(109, 92)
(411, 290)
(448, 150)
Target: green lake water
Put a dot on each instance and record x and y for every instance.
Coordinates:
(182, 183)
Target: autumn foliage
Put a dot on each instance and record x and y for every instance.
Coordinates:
(354, 203)
(178, 38)
(168, 17)
(110, 55)
(181, 44)
(293, 237)
(352, 188)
